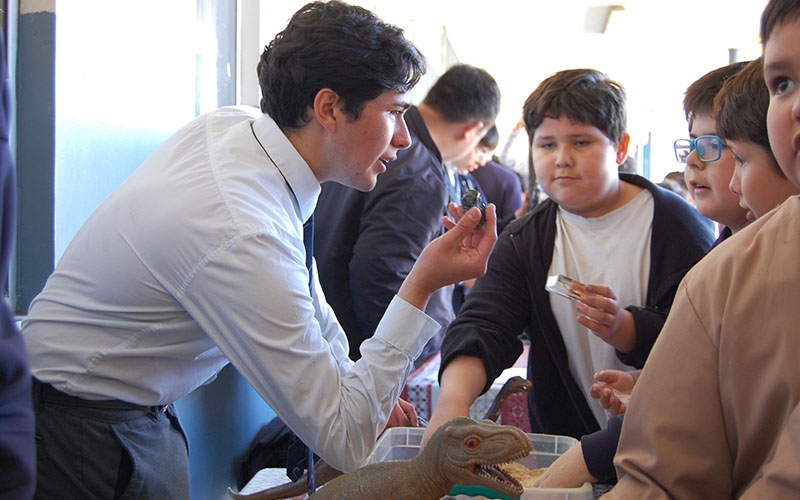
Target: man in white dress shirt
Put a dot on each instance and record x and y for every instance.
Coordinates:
(198, 260)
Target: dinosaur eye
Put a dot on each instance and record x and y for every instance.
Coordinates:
(472, 443)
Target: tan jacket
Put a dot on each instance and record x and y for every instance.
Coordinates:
(715, 413)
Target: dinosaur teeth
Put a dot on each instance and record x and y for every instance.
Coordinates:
(498, 475)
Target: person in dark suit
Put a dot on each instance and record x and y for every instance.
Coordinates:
(503, 188)
(379, 234)
(17, 451)
(496, 184)
(501, 185)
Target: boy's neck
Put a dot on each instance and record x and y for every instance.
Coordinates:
(625, 194)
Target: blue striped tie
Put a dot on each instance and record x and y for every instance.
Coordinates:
(308, 242)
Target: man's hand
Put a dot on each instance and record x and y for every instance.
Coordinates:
(403, 415)
(460, 254)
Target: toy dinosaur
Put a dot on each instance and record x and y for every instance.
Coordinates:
(512, 386)
(462, 451)
(325, 472)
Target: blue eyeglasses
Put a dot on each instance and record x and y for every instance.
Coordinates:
(709, 148)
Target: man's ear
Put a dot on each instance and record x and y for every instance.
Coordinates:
(472, 129)
(327, 106)
(622, 148)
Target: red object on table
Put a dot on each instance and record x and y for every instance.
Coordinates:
(422, 389)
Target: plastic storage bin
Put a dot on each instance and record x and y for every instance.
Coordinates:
(402, 443)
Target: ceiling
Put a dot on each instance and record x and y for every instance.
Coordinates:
(654, 48)
(521, 42)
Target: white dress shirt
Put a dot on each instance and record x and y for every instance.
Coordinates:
(197, 259)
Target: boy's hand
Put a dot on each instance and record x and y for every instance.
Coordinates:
(602, 314)
(613, 390)
(568, 471)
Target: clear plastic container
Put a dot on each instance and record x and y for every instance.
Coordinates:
(402, 443)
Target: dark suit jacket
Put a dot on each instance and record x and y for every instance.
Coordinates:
(501, 187)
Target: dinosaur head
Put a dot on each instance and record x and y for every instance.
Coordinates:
(472, 453)
(519, 384)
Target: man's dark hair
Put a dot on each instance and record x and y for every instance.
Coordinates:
(581, 95)
(699, 96)
(778, 12)
(338, 46)
(491, 139)
(465, 93)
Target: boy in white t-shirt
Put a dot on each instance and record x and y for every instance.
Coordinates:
(631, 240)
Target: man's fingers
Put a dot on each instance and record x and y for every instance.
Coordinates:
(410, 412)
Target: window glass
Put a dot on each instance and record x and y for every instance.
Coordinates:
(129, 74)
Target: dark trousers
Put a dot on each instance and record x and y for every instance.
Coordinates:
(107, 449)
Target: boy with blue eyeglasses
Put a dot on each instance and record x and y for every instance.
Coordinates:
(709, 163)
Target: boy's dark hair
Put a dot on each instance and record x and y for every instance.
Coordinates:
(491, 139)
(465, 93)
(699, 96)
(581, 95)
(740, 108)
(338, 46)
(776, 13)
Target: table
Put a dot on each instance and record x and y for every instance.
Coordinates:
(266, 478)
(422, 390)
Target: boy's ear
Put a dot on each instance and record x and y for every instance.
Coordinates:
(622, 148)
(327, 107)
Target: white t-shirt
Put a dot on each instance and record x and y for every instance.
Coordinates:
(612, 250)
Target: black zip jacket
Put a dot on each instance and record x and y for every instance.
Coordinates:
(511, 299)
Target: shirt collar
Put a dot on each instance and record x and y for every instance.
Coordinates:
(295, 170)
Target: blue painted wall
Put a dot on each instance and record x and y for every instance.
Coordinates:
(221, 420)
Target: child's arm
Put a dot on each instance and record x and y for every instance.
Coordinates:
(462, 381)
(568, 471)
(591, 460)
